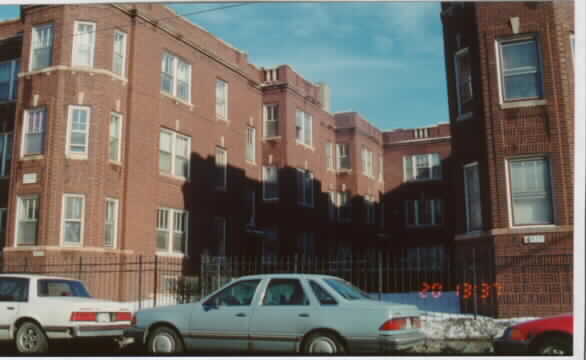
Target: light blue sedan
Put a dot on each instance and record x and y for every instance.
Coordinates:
(280, 313)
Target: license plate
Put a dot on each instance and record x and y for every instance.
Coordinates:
(103, 317)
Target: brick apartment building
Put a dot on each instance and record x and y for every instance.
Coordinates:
(127, 130)
(510, 86)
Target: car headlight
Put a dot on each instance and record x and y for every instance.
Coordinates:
(516, 334)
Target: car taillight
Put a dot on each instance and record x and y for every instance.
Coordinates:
(518, 334)
(123, 316)
(394, 324)
(416, 322)
(83, 316)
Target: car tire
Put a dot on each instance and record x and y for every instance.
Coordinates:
(31, 339)
(164, 340)
(322, 343)
(555, 345)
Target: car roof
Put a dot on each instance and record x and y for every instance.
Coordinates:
(287, 276)
(35, 276)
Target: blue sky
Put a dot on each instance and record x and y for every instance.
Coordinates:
(383, 60)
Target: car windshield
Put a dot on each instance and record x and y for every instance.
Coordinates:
(347, 290)
(58, 287)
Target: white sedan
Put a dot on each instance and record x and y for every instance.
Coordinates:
(280, 313)
(35, 309)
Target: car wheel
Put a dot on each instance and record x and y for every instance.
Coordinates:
(555, 345)
(30, 338)
(322, 343)
(164, 340)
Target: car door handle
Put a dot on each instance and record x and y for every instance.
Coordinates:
(10, 308)
(303, 315)
(241, 315)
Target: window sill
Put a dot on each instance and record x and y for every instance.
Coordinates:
(343, 171)
(173, 177)
(422, 180)
(308, 147)
(221, 119)
(76, 157)
(74, 246)
(74, 68)
(271, 200)
(32, 157)
(465, 116)
(170, 255)
(272, 138)
(177, 100)
(253, 163)
(523, 103)
(115, 163)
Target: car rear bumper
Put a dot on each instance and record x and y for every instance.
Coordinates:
(85, 331)
(401, 341)
(508, 347)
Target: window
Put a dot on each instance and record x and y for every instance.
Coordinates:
(220, 236)
(346, 290)
(343, 156)
(27, 220)
(530, 191)
(367, 163)
(472, 198)
(303, 130)
(520, 69)
(119, 60)
(344, 207)
(3, 214)
(5, 153)
(9, 79)
(221, 168)
(422, 167)
(285, 292)
(59, 287)
(251, 144)
(306, 243)
(78, 133)
(422, 259)
(270, 184)
(84, 43)
(73, 214)
(250, 205)
(239, 294)
(370, 217)
(304, 187)
(42, 46)
(33, 132)
(463, 80)
(171, 231)
(321, 294)
(221, 99)
(271, 116)
(14, 289)
(111, 223)
(176, 77)
(423, 212)
(114, 143)
(329, 156)
(332, 205)
(174, 153)
(381, 168)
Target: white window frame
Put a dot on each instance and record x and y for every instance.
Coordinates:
(14, 65)
(77, 43)
(115, 216)
(340, 154)
(75, 154)
(221, 99)
(35, 42)
(19, 210)
(413, 160)
(175, 60)
(265, 180)
(367, 162)
(251, 144)
(171, 229)
(467, 82)
(63, 243)
(115, 137)
(501, 76)
(221, 162)
(5, 154)
(222, 246)
(174, 135)
(329, 156)
(467, 200)
(510, 191)
(305, 178)
(304, 121)
(380, 168)
(271, 120)
(123, 40)
(37, 130)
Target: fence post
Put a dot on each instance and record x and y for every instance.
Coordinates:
(201, 277)
(474, 282)
(139, 282)
(156, 282)
(380, 276)
(80, 267)
(25, 266)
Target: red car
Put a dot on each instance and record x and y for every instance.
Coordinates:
(547, 336)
